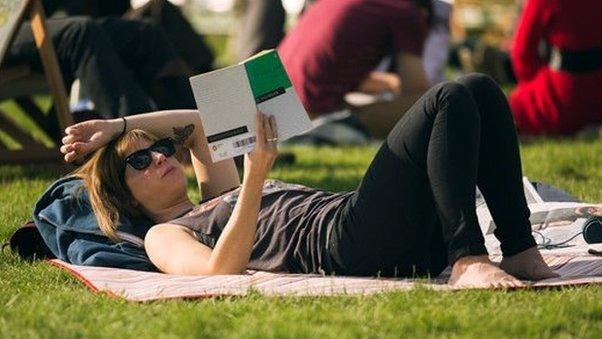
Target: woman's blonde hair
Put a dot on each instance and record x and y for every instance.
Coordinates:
(104, 179)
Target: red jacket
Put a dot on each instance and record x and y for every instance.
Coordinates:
(547, 101)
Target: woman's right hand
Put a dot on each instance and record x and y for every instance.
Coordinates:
(88, 136)
(259, 162)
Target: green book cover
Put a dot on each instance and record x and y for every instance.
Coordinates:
(266, 75)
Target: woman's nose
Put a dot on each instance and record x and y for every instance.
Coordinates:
(158, 157)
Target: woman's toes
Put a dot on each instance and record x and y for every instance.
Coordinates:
(545, 273)
(517, 283)
(528, 265)
(506, 284)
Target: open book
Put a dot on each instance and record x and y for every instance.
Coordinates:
(228, 98)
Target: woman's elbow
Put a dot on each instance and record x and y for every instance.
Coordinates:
(217, 269)
(173, 249)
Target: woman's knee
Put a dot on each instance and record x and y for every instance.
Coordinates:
(457, 102)
(83, 29)
(478, 82)
(447, 101)
(82, 39)
(493, 106)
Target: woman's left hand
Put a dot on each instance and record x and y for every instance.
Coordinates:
(259, 162)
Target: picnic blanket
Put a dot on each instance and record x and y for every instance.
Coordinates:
(556, 224)
(574, 269)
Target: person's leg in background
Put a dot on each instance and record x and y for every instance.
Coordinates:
(84, 51)
(261, 26)
(380, 117)
(147, 51)
(437, 44)
(189, 44)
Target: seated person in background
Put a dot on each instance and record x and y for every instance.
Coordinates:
(336, 46)
(189, 44)
(125, 66)
(437, 43)
(563, 95)
(412, 214)
(261, 25)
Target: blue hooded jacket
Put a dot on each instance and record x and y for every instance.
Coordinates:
(67, 223)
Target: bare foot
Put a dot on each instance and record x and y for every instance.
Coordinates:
(480, 272)
(528, 265)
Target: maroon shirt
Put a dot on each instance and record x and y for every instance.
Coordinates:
(336, 43)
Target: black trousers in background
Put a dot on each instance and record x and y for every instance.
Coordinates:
(261, 26)
(414, 211)
(114, 59)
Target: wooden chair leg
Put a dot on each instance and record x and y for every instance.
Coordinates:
(53, 124)
(50, 63)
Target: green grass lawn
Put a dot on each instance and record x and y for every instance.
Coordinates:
(37, 300)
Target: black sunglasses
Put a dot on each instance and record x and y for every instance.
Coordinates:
(141, 159)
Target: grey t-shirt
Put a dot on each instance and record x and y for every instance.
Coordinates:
(293, 227)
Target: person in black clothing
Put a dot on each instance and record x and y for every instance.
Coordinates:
(125, 66)
(189, 44)
(412, 214)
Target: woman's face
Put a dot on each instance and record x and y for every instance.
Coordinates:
(160, 184)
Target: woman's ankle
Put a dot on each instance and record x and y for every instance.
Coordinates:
(468, 260)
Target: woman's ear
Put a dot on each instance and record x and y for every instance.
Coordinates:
(134, 202)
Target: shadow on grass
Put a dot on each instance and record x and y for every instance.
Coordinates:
(48, 172)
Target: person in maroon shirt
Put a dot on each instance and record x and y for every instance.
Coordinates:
(336, 46)
(562, 96)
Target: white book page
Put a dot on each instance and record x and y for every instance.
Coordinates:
(484, 216)
(225, 103)
(291, 117)
(531, 193)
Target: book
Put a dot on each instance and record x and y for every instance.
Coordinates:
(228, 98)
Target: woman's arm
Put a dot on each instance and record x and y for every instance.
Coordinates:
(174, 250)
(410, 69)
(378, 82)
(183, 125)
(526, 61)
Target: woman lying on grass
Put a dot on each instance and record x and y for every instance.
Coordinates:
(412, 214)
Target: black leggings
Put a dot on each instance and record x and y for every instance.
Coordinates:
(414, 211)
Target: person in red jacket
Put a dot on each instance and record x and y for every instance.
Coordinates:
(559, 94)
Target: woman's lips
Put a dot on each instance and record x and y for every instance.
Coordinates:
(169, 170)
